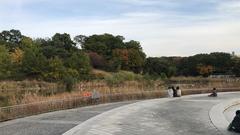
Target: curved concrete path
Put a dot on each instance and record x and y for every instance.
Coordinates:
(55, 123)
(231, 112)
(185, 116)
(179, 116)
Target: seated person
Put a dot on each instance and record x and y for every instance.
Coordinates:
(170, 92)
(179, 91)
(174, 92)
(235, 125)
(214, 93)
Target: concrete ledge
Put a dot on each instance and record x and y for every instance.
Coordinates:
(217, 116)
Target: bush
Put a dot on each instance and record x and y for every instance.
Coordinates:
(69, 83)
(122, 76)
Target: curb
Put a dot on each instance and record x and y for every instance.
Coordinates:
(217, 116)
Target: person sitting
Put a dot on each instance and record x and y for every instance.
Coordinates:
(235, 124)
(179, 91)
(214, 93)
(174, 92)
(170, 92)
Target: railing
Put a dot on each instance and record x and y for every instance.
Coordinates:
(23, 110)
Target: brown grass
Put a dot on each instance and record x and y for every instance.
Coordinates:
(32, 100)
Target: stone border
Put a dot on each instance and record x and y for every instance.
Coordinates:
(217, 116)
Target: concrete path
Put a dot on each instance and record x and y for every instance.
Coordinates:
(179, 116)
(182, 116)
(55, 123)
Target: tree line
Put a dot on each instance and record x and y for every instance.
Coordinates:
(61, 58)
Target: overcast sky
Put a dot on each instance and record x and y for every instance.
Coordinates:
(164, 27)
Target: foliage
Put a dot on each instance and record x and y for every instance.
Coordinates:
(17, 56)
(60, 59)
(205, 70)
(236, 66)
(119, 55)
(5, 63)
(122, 76)
(159, 67)
(81, 63)
(97, 61)
(34, 62)
(55, 70)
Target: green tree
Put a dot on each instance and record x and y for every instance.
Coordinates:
(236, 66)
(136, 60)
(159, 67)
(79, 62)
(34, 62)
(5, 63)
(133, 45)
(63, 41)
(55, 70)
(103, 44)
(12, 36)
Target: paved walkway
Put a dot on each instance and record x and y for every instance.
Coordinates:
(231, 112)
(183, 116)
(55, 123)
(179, 116)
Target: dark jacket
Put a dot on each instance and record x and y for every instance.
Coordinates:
(235, 125)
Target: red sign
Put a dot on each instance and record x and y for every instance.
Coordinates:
(87, 94)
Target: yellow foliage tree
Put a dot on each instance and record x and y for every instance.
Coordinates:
(205, 70)
(17, 56)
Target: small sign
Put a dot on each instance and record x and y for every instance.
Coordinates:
(87, 94)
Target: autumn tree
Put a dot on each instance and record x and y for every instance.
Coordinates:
(205, 70)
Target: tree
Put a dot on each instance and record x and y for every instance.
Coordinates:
(55, 70)
(133, 45)
(63, 41)
(17, 56)
(103, 44)
(26, 42)
(80, 39)
(205, 70)
(5, 63)
(159, 67)
(136, 60)
(236, 66)
(12, 36)
(60, 45)
(97, 61)
(79, 62)
(34, 62)
(123, 57)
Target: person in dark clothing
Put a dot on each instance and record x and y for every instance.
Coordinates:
(174, 92)
(214, 93)
(235, 124)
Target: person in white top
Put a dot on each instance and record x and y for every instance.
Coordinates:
(170, 92)
(179, 92)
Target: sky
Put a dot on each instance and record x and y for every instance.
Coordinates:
(163, 27)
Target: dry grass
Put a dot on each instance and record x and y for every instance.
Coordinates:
(13, 112)
(30, 92)
(32, 100)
